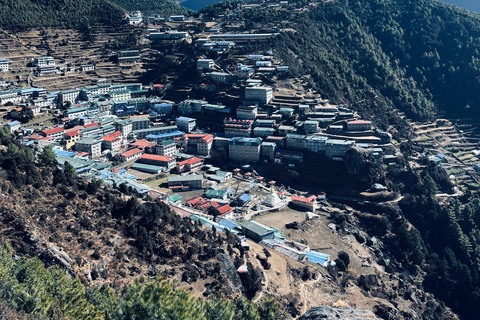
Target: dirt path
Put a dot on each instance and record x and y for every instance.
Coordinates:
(264, 286)
(304, 292)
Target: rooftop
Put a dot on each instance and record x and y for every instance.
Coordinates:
(190, 177)
(155, 157)
(53, 131)
(130, 153)
(257, 228)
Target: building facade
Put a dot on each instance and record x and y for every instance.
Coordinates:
(261, 94)
(244, 150)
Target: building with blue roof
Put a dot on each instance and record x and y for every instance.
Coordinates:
(14, 125)
(59, 152)
(317, 257)
(166, 136)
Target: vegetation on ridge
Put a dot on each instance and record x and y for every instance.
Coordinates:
(75, 14)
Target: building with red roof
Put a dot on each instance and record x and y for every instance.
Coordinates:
(129, 155)
(145, 145)
(71, 137)
(309, 203)
(35, 137)
(91, 125)
(157, 160)
(225, 210)
(199, 144)
(189, 164)
(112, 143)
(55, 133)
(359, 125)
(202, 204)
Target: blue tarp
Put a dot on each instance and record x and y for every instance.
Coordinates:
(59, 152)
(245, 197)
(317, 257)
(229, 224)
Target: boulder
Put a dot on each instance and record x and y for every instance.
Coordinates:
(329, 313)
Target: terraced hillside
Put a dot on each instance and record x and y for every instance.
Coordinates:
(72, 49)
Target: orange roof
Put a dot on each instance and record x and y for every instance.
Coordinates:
(196, 201)
(72, 133)
(208, 138)
(142, 144)
(91, 125)
(155, 157)
(46, 139)
(190, 161)
(76, 128)
(303, 199)
(53, 131)
(110, 139)
(224, 209)
(18, 109)
(81, 154)
(130, 153)
(140, 116)
(115, 134)
(196, 135)
(35, 136)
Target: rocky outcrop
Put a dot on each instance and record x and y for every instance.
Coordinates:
(230, 272)
(327, 313)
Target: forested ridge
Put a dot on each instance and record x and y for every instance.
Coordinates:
(421, 57)
(162, 7)
(27, 14)
(76, 14)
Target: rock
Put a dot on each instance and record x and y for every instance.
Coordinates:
(294, 225)
(385, 311)
(88, 275)
(329, 313)
(234, 285)
(367, 281)
(59, 257)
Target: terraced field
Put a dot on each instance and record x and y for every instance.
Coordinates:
(69, 48)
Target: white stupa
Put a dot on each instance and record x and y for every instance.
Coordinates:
(272, 200)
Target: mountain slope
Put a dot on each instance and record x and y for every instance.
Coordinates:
(419, 56)
(27, 14)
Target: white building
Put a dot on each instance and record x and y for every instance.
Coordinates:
(44, 62)
(336, 149)
(316, 143)
(359, 125)
(133, 21)
(92, 146)
(69, 96)
(3, 65)
(14, 125)
(247, 113)
(206, 64)
(112, 143)
(186, 124)
(87, 67)
(166, 148)
(261, 94)
(169, 35)
(244, 150)
(220, 77)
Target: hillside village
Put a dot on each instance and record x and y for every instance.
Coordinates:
(204, 156)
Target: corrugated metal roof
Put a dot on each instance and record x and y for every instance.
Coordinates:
(257, 228)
